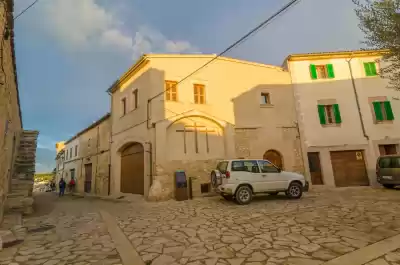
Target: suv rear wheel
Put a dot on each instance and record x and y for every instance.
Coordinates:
(244, 195)
(295, 190)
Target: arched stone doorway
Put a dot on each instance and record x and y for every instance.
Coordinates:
(132, 169)
(274, 157)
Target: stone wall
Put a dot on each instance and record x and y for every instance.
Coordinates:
(10, 118)
(20, 198)
(198, 171)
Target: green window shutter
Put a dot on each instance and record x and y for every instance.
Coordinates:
(378, 111)
(331, 73)
(313, 71)
(372, 68)
(321, 113)
(336, 111)
(367, 69)
(388, 109)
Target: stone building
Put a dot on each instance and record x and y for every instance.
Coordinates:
(229, 109)
(60, 157)
(86, 158)
(10, 113)
(347, 114)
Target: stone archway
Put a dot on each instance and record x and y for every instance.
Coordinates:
(274, 157)
(132, 168)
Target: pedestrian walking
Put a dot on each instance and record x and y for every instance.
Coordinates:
(62, 185)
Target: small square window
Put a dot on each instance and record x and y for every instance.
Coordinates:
(135, 95)
(199, 94)
(265, 99)
(370, 69)
(322, 72)
(171, 90)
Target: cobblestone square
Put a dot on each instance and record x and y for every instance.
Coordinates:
(317, 229)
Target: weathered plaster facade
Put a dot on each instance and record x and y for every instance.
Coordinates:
(349, 134)
(87, 158)
(182, 134)
(10, 114)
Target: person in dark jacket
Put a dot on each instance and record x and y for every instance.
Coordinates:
(62, 185)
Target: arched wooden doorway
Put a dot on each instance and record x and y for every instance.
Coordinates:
(132, 169)
(274, 157)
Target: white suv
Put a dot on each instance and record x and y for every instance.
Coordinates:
(241, 178)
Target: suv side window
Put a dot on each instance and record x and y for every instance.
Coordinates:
(246, 166)
(222, 166)
(267, 167)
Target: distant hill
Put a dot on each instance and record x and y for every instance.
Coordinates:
(45, 160)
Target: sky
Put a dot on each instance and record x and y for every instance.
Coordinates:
(70, 51)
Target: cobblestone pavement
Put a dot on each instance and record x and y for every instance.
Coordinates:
(272, 230)
(391, 258)
(78, 237)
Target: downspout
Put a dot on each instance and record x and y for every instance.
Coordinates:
(109, 153)
(97, 157)
(357, 100)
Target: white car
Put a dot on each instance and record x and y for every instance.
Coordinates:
(240, 179)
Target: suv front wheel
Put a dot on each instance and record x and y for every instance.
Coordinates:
(295, 190)
(243, 195)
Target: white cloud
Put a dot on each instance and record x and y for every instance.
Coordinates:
(84, 24)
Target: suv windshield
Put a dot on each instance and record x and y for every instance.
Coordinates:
(389, 162)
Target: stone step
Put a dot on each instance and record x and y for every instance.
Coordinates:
(18, 194)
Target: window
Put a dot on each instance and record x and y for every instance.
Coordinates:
(70, 153)
(171, 93)
(222, 166)
(370, 69)
(389, 162)
(265, 99)
(329, 114)
(135, 95)
(246, 166)
(383, 111)
(321, 71)
(76, 150)
(199, 95)
(123, 103)
(267, 167)
(66, 157)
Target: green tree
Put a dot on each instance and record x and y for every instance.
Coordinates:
(380, 21)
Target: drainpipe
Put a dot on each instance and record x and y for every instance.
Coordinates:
(357, 100)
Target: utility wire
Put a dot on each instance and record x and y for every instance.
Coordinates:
(238, 42)
(26, 9)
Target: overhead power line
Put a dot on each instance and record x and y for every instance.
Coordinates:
(236, 43)
(26, 9)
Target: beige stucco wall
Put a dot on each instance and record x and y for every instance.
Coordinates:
(93, 148)
(9, 109)
(349, 135)
(232, 102)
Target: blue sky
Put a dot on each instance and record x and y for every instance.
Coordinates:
(70, 51)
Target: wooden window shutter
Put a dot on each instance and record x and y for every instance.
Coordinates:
(388, 110)
(378, 111)
(367, 69)
(336, 111)
(321, 113)
(331, 73)
(372, 68)
(313, 71)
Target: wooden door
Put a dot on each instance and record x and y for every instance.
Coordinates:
(274, 157)
(349, 168)
(314, 164)
(88, 178)
(132, 169)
